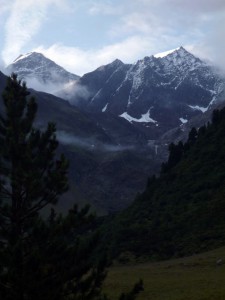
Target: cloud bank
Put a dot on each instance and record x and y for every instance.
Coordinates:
(146, 27)
(137, 28)
(80, 61)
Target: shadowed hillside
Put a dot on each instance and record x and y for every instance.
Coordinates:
(182, 211)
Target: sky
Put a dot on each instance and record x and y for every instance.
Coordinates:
(81, 35)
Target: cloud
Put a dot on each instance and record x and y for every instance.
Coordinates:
(73, 91)
(37, 85)
(5, 6)
(67, 138)
(200, 6)
(25, 19)
(106, 8)
(166, 16)
(89, 143)
(81, 61)
(170, 23)
(134, 28)
(2, 67)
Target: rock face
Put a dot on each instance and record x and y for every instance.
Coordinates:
(41, 73)
(157, 93)
(154, 95)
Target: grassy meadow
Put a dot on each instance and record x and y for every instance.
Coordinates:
(199, 277)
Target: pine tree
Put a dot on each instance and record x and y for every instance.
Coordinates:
(192, 137)
(41, 258)
(31, 179)
(175, 155)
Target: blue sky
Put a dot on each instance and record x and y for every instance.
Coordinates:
(81, 35)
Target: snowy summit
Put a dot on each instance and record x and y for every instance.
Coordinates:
(163, 54)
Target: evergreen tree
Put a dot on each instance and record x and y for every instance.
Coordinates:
(175, 155)
(40, 258)
(192, 137)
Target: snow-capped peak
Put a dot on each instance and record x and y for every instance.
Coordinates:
(40, 72)
(177, 52)
(165, 53)
(22, 56)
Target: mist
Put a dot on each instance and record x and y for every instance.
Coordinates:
(92, 144)
(37, 85)
(73, 92)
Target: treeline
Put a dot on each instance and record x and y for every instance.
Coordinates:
(182, 211)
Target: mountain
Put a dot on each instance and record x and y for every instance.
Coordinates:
(155, 94)
(127, 114)
(181, 212)
(40, 72)
(180, 133)
(103, 172)
(67, 117)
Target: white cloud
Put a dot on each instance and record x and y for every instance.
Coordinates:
(172, 23)
(161, 16)
(200, 6)
(137, 28)
(5, 5)
(80, 61)
(192, 5)
(24, 21)
(106, 8)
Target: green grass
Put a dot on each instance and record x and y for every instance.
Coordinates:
(198, 277)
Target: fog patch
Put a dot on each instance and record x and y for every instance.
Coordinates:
(47, 86)
(117, 148)
(70, 139)
(37, 85)
(73, 92)
(4, 69)
(2, 66)
(43, 78)
(92, 144)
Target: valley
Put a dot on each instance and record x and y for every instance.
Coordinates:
(118, 120)
(112, 150)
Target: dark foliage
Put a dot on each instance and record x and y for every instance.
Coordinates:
(182, 211)
(41, 258)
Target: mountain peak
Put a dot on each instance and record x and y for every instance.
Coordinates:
(117, 62)
(114, 64)
(180, 50)
(40, 72)
(165, 53)
(23, 56)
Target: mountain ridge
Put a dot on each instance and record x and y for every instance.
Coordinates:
(168, 90)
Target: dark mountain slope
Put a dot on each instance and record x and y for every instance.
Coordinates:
(155, 94)
(106, 170)
(182, 211)
(106, 173)
(2, 81)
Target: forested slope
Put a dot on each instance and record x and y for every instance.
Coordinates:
(183, 211)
